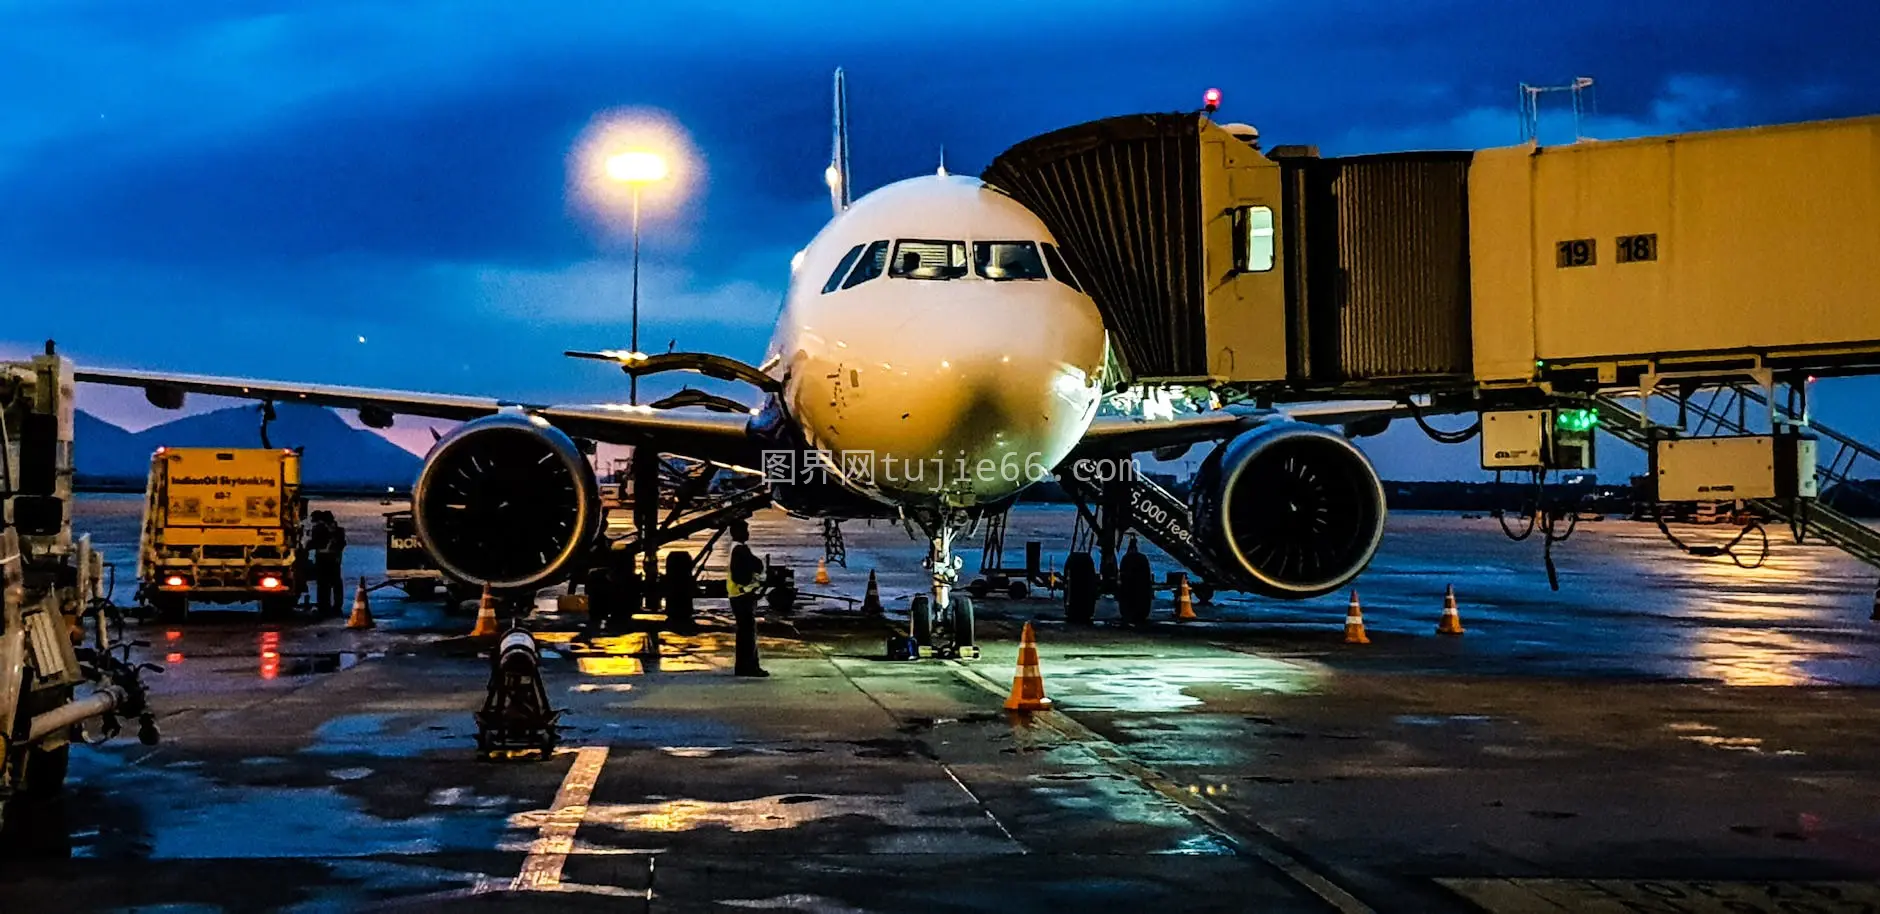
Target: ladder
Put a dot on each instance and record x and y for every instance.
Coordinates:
(1155, 513)
(1726, 413)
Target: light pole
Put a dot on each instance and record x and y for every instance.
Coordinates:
(636, 169)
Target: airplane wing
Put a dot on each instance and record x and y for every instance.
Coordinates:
(1114, 435)
(714, 436)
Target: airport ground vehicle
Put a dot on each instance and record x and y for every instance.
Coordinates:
(50, 583)
(409, 567)
(222, 526)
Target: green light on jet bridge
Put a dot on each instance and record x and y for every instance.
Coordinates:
(1576, 420)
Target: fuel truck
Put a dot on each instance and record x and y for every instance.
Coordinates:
(56, 682)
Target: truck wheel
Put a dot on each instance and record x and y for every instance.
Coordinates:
(781, 600)
(1080, 588)
(979, 588)
(1018, 590)
(44, 777)
(279, 607)
(170, 607)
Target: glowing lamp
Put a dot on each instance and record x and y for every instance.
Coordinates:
(636, 167)
(270, 583)
(1211, 100)
(175, 580)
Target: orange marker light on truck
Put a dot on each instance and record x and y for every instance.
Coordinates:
(175, 580)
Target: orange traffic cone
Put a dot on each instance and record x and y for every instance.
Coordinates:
(1354, 623)
(871, 601)
(486, 615)
(1876, 605)
(1452, 623)
(362, 610)
(1184, 602)
(822, 571)
(1028, 684)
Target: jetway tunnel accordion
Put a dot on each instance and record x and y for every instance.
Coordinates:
(1370, 278)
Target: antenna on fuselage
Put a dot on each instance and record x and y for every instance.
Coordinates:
(837, 176)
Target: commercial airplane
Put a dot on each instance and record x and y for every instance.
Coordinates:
(935, 355)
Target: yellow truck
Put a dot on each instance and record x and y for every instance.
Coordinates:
(222, 526)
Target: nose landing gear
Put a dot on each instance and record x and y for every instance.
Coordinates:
(942, 624)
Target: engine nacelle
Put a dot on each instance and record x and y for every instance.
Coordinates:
(507, 500)
(1295, 507)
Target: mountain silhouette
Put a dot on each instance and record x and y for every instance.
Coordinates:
(334, 454)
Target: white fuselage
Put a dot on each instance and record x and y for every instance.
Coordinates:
(956, 374)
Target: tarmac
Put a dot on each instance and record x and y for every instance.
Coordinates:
(1663, 733)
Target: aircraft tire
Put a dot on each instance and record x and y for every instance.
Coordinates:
(920, 619)
(1080, 588)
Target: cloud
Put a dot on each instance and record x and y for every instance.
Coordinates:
(598, 291)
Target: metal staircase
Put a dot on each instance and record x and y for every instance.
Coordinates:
(1150, 510)
(1726, 412)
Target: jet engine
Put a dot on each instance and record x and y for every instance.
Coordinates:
(1295, 507)
(507, 500)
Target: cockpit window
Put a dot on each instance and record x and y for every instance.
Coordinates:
(1001, 260)
(1060, 268)
(842, 270)
(924, 259)
(869, 266)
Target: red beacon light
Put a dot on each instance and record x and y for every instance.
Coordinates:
(1211, 100)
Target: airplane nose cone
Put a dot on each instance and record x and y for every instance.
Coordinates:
(990, 426)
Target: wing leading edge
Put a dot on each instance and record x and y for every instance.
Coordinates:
(718, 437)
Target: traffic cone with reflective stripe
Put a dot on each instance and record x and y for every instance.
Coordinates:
(1354, 623)
(1028, 684)
(1184, 602)
(1452, 623)
(871, 601)
(362, 610)
(822, 571)
(486, 615)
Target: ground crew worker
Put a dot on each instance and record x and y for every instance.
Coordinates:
(1135, 586)
(327, 542)
(743, 578)
(330, 577)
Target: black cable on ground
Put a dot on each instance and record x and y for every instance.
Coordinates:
(1728, 549)
(1438, 435)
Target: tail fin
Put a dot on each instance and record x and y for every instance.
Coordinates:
(838, 174)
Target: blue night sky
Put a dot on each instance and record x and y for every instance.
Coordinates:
(232, 187)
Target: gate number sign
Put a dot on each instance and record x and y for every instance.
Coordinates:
(1579, 252)
(1636, 248)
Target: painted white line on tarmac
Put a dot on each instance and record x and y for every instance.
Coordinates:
(1264, 845)
(541, 872)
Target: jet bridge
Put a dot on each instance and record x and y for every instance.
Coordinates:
(1287, 275)
(1521, 278)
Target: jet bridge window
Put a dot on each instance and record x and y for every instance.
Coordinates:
(869, 266)
(1253, 239)
(1002, 260)
(842, 270)
(1060, 268)
(918, 258)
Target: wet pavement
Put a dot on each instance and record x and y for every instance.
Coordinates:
(1662, 734)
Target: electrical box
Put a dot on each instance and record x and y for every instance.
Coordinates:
(1515, 439)
(1795, 464)
(1715, 469)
